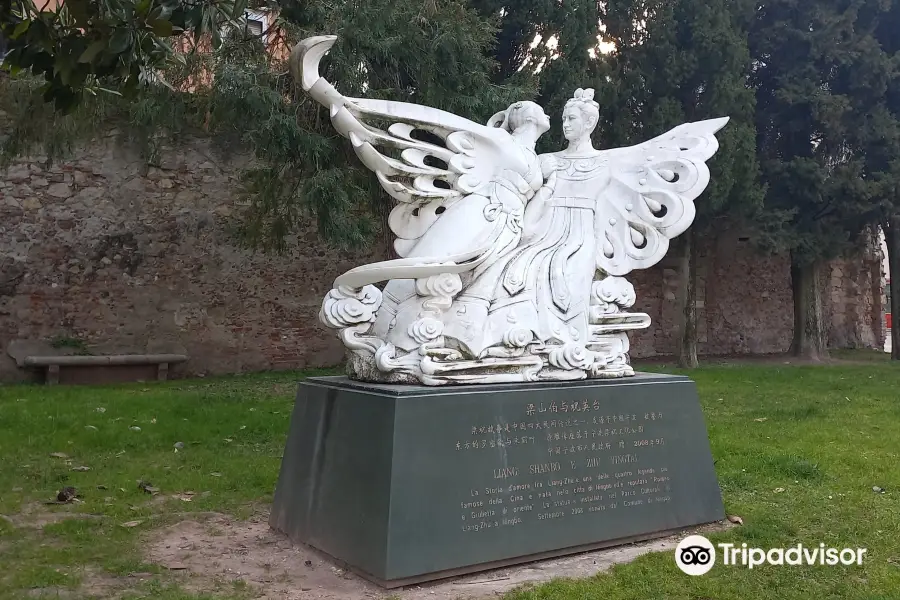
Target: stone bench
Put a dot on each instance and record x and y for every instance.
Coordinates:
(64, 367)
(131, 366)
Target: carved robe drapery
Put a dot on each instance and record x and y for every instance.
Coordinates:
(541, 291)
(492, 220)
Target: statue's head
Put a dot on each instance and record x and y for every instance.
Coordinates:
(520, 114)
(580, 116)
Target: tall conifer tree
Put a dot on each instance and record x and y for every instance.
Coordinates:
(816, 72)
(678, 62)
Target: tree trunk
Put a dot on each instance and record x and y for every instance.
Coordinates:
(809, 328)
(687, 326)
(892, 241)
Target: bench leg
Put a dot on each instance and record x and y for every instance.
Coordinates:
(53, 375)
(162, 372)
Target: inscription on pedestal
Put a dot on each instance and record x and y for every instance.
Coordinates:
(596, 462)
(408, 483)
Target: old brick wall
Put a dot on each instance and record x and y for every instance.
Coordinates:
(132, 259)
(854, 300)
(744, 301)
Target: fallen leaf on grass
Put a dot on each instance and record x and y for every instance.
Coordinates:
(761, 419)
(736, 519)
(81, 469)
(132, 523)
(59, 455)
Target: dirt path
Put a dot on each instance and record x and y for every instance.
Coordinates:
(215, 549)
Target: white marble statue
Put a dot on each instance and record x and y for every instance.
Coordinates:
(512, 264)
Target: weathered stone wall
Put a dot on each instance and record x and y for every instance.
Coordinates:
(854, 300)
(134, 259)
(131, 259)
(744, 303)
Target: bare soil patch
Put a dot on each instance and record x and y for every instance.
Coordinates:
(204, 554)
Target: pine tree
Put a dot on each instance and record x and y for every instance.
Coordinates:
(816, 73)
(688, 61)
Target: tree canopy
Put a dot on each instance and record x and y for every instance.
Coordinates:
(819, 75)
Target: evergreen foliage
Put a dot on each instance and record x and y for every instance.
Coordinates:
(111, 46)
(687, 61)
(240, 92)
(819, 76)
(881, 153)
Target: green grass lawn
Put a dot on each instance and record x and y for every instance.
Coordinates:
(822, 436)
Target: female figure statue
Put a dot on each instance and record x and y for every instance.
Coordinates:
(486, 224)
(462, 188)
(499, 247)
(610, 211)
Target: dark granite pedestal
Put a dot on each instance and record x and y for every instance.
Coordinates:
(405, 484)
